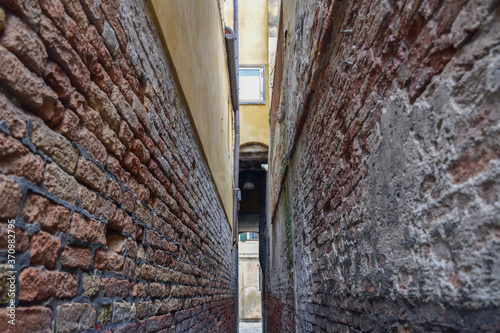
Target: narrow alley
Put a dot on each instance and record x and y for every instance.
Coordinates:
(249, 166)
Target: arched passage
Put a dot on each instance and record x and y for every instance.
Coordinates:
(251, 225)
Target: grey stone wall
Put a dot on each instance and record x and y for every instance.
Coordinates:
(384, 208)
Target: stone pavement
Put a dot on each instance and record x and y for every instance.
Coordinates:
(251, 327)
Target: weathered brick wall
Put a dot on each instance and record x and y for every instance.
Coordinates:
(384, 168)
(118, 224)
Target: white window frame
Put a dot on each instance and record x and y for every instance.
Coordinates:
(262, 84)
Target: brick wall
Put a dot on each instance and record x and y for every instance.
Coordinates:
(118, 225)
(384, 168)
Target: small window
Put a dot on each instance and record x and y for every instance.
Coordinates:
(248, 236)
(252, 236)
(252, 85)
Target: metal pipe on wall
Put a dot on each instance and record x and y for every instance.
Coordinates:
(233, 70)
(233, 62)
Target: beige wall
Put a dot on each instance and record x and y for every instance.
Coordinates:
(253, 45)
(192, 33)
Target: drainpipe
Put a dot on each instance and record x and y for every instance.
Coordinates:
(237, 127)
(233, 66)
(233, 62)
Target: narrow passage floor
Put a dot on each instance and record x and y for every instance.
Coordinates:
(251, 327)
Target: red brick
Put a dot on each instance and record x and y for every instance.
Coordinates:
(83, 75)
(140, 233)
(44, 249)
(90, 174)
(115, 167)
(130, 270)
(22, 238)
(87, 198)
(145, 309)
(94, 13)
(129, 75)
(90, 118)
(60, 183)
(75, 10)
(108, 261)
(117, 243)
(19, 39)
(131, 163)
(148, 143)
(75, 257)
(169, 260)
(56, 146)
(58, 114)
(153, 238)
(157, 221)
(160, 323)
(75, 317)
(125, 135)
(128, 201)
(105, 208)
(139, 290)
(16, 160)
(32, 319)
(112, 18)
(14, 117)
(37, 285)
(103, 54)
(131, 248)
(122, 222)
(51, 217)
(146, 178)
(114, 191)
(148, 272)
(172, 248)
(130, 328)
(10, 198)
(150, 254)
(115, 288)
(143, 212)
(86, 229)
(26, 85)
(10, 147)
(140, 151)
(162, 147)
(94, 147)
(58, 81)
(159, 257)
(69, 125)
(61, 51)
(143, 192)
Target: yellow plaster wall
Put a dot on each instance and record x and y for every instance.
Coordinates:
(253, 46)
(252, 17)
(192, 33)
(229, 13)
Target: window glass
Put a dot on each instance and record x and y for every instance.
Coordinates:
(245, 236)
(252, 85)
(252, 236)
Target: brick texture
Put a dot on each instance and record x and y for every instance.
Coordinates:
(384, 168)
(117, 231)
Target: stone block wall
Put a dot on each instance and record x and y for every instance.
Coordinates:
(384, 207)
(118, 226)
